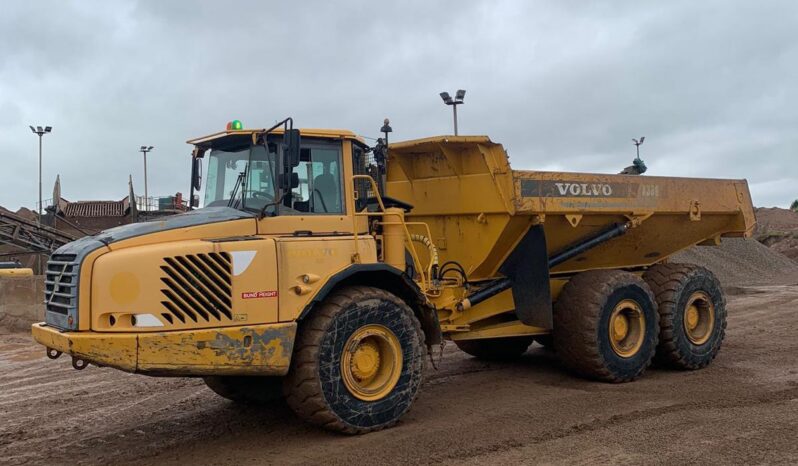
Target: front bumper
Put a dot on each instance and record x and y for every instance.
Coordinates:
(250, 350)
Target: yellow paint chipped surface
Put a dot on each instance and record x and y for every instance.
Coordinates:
(256, 350)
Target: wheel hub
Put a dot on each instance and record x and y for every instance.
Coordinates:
(627, 328)
(371, 362)
(366, 360)
(620, 327)
(692, 317)
(699, 318)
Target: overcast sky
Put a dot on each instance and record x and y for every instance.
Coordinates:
(713, 85)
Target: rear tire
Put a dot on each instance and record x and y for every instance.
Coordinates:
(358, 362)
(692, 311)
(606, 325)
(495, 349)
(254, 390)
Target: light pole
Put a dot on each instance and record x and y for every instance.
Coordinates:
(144, 150)
(458, 100)
(40, 132)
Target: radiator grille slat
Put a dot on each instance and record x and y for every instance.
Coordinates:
(223, 260)
(215, 281)
(185, 301)
(223, 274)
(177, 303)
(197, 287)
(60, 283)
(193, 291)
(212, 292)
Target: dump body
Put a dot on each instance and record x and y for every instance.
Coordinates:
(479, 210)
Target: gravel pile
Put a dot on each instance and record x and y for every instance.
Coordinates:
(741, 262)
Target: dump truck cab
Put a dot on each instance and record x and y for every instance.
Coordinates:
(328, 270)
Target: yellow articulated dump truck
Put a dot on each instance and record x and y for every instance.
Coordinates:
(329, 272)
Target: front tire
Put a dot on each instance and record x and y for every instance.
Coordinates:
(606, 325)
(358, 363)
(692, 311)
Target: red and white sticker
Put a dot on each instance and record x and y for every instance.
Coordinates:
(258, 294)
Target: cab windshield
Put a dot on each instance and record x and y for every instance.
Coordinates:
(242, 178)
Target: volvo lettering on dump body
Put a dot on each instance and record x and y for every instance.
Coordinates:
(584, 189)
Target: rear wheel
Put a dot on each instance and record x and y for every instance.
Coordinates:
(246, 389)
(692, 312)
(358, 362)
(605, 325)
(495, 348)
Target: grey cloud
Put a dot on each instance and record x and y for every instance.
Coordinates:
(562, 85)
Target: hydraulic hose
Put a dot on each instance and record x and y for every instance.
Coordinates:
(433, 253)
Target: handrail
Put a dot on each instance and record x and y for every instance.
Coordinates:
(425, 277)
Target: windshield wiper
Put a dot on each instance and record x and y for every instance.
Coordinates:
(274, 203)
(239, 184)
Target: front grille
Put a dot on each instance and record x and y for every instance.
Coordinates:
(198, 288)
(61, 284)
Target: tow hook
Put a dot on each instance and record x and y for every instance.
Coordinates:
(79, 364)
(53, 353)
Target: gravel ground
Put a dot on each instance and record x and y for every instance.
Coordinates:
(742, 409)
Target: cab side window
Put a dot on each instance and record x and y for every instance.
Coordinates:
(320, 180)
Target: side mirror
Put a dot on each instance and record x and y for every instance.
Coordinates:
(196, 173)
(292, 142)
(288, 180)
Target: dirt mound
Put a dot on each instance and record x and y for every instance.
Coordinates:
(742, 262)
(775, 219)
(778, 229)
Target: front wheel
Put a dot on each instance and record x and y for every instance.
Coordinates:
(358, 363)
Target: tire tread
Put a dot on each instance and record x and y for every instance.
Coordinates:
(302, 386)
(576, 316)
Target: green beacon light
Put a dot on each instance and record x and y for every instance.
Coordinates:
(235, 125)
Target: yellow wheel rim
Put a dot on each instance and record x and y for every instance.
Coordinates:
(627, 328)
(371, 363)
(699, 318)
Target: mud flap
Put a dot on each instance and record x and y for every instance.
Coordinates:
(428, 318)
(528, 268)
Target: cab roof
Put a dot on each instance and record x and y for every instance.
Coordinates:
(208, 141)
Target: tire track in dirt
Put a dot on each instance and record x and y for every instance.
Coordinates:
(469, 411)
(782, 396)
